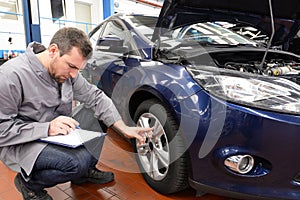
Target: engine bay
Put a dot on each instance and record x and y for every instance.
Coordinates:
(275, 64)
(247, 60)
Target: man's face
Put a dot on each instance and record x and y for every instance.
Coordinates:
(66, 66)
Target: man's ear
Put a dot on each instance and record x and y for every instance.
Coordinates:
(53, 50)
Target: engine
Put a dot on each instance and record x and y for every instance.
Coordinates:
(271, 68)
(277, 63)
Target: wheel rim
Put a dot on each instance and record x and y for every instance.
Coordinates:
(154, 155)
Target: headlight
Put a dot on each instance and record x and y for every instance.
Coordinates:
(269, 93)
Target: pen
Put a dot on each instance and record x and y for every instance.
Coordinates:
(77, 127)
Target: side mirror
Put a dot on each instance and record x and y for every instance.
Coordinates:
(111, 44)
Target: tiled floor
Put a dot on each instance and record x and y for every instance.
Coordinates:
(116, 156)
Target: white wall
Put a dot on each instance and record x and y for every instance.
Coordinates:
(129, 6)
(48, 28)
(13, 29)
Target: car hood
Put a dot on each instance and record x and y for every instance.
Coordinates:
(177, 13)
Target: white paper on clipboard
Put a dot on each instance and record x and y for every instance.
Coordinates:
(74, 139)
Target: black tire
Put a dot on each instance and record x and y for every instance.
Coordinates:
(175, 176)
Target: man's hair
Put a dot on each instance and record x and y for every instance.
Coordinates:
(69, 37)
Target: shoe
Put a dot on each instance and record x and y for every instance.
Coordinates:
(29, 194)
(95, 176)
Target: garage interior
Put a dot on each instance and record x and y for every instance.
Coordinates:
(19, 26)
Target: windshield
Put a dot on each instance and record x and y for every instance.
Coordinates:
(144, 24)
(208, 33)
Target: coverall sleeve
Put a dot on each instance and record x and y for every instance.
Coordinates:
(13, 130)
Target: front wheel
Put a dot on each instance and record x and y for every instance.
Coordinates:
(162, 159)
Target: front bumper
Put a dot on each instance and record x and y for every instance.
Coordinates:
(223, 130)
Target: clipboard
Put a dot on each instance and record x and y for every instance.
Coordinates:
(75, 138)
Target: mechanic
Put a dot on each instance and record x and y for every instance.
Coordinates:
(36, 94)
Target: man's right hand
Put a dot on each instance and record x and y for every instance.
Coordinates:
(62, 125)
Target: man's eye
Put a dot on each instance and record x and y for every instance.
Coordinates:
(73, 67)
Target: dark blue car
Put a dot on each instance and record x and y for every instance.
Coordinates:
(225, 107)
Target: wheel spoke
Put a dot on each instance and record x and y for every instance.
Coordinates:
(144, 121)
(155, 173)
(158, 132)
(153, 165)
(163, 157)
(147, 166)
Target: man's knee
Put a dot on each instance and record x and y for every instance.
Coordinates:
(77, 161)
(78, 167)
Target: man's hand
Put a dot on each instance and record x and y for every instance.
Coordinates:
(62, 125)
(140, 133)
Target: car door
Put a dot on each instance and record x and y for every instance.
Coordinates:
(114, 54)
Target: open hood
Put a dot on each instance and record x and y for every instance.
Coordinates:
(256, 13)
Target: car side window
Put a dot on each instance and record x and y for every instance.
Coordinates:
(95, 35)
(116, 29)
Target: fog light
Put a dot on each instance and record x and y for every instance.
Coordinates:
(240, 163)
